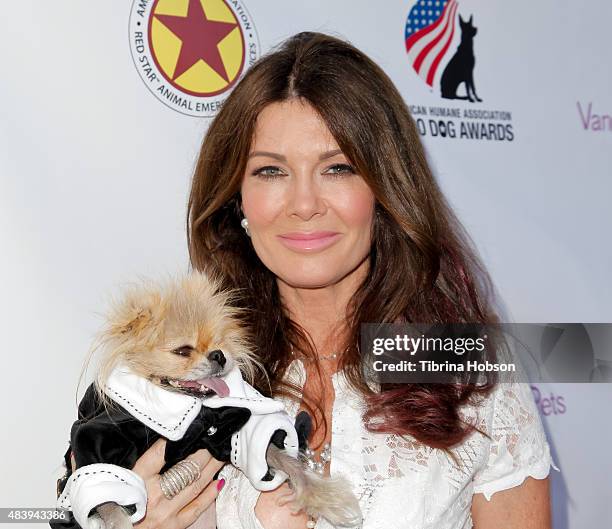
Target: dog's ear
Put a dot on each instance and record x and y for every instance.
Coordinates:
(141, 310)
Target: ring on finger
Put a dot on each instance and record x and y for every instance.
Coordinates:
(179, 476)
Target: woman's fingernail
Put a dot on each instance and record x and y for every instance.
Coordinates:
(220, 483)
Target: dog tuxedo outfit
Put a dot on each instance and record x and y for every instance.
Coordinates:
(107, 440)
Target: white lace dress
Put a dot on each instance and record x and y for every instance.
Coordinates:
(402, 484)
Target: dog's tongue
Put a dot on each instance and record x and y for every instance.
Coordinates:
(217, 384)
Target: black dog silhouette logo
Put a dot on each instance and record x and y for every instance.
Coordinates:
(460, 69)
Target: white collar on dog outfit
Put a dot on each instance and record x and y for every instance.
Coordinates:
(170, 413)
(167, 412)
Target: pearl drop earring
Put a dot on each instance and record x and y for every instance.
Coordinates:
(245, 224)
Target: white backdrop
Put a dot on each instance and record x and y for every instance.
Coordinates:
(95, 171)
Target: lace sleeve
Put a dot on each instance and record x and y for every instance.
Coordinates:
(519, 447)
(235, 504)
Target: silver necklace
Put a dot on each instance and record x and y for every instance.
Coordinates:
(328, 357)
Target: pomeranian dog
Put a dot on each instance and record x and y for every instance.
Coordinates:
(174, 354)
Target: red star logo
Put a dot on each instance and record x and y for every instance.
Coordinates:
(199, 37)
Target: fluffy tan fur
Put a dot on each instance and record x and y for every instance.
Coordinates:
(152, 318)
(317, 495)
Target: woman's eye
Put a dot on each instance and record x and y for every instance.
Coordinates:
(270, 171)
(344, 169)
(264, 172)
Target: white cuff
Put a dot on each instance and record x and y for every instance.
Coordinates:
(250, 443)
(92, 485)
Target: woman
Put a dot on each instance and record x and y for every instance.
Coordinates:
(313, 196)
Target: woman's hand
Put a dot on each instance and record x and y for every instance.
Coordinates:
(273, 511)
(189, 504)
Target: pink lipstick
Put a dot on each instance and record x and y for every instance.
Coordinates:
(309, 241)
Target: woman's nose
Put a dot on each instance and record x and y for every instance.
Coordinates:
(304, 198)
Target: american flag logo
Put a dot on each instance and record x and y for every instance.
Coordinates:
(430, 28)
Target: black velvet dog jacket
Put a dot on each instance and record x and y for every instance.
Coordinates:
(107, 440)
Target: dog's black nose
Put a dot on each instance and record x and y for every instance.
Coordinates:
(217, 356)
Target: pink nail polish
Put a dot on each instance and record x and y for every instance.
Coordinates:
(220, 483)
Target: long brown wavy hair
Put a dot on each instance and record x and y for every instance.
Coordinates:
(423, 267)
